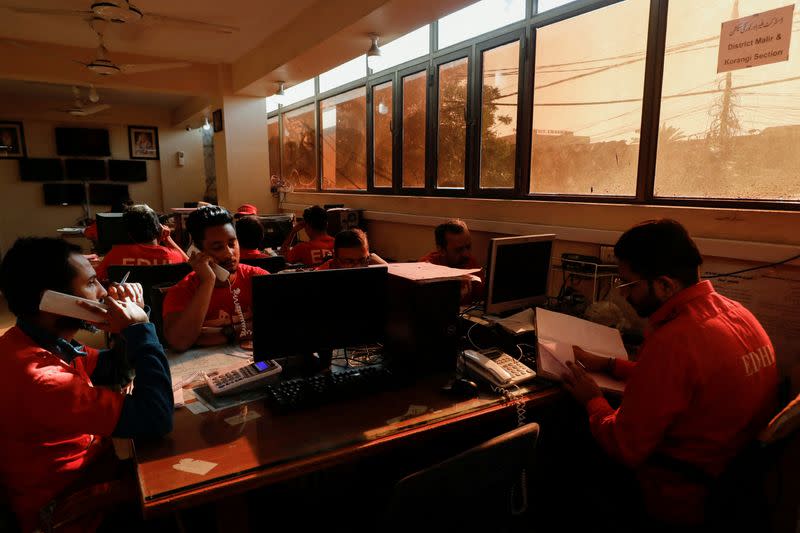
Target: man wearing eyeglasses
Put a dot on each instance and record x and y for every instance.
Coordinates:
(704, 384)
(351, 250)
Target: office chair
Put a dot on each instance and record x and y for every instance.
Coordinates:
(150, 275)
(272, 264)
(480, 485)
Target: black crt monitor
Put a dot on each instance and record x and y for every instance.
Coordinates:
(86, 169)
(41, 169)
(276, 228)
(111, 230)
(518, 272)
(302, 313)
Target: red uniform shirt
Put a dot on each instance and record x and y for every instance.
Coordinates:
(312, 252)
(704, 385)
(249, 253)
(475, 291)
(51, 421)
(221, 309)
(138, 254)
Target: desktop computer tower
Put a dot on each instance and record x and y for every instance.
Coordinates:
(422, 325)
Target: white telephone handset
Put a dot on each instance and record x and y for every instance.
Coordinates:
(67, 305)
(502, 370)
(221, 273)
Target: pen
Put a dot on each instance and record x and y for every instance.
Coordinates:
(579, 362)
(125, 277)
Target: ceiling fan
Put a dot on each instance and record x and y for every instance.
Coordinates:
(81, 108)
(103, 66)
(123, 12)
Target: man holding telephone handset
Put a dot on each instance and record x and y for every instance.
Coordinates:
(213, 303)
(60, 401)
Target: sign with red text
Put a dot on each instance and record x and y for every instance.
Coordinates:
(756, 40)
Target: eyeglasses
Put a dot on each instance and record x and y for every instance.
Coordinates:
(619, 283)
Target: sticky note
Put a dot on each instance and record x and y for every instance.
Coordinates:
(194, 466)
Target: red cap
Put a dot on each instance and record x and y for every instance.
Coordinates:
(247, 209)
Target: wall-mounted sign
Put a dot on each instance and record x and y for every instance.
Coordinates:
(759, 39)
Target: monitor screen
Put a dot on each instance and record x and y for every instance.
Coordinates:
(64, 194)
(276, 228)
(86, 169)
(518, 272)
(124, 170)
(82, 141)
(111, 230)
(348, 309)
(108, 194)
(44, 169)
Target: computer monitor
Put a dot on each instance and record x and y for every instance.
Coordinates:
(518, 272)
(111, 230)
(347, 308)
(276, 228)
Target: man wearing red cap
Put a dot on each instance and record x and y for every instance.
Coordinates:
(245, 210)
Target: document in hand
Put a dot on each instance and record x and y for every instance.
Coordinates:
(557, 333)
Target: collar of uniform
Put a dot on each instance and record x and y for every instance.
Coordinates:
(66, 350)
(675, 305)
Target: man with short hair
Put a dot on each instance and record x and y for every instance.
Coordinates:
(245, 210)
(60, 401)
(351, 250)
(319, 246)
(454, 249)
(704, 384)
(250, 233)
(201, 308)
(152, 243)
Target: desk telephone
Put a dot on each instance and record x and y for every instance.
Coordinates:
(497, 367)
(221, 273)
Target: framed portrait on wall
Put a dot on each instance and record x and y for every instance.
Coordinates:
(12, 140)
(143, 142)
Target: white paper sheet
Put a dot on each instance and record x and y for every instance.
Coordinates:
(194, 466)
(422, 272)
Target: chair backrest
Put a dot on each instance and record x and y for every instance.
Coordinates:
(150, 275)
(272, 264)
(157, 294)
(471, 486)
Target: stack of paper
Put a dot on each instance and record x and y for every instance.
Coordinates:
(424, 272)
(557, 333)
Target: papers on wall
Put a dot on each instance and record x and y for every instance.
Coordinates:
(424, 272)
(758, 39)
(557, 333)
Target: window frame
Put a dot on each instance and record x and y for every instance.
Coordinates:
(423, 66)
(390, 76)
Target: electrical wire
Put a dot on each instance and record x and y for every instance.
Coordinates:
(752, 268)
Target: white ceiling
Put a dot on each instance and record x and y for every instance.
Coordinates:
(254, 19)
(62, 94)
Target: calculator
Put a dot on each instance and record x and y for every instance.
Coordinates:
(244, 378)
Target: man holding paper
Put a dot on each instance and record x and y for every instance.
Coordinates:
(704, 384)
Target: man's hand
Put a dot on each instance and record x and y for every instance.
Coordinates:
(127, 291)
(120, 314)
(201, 263)
(165, 233)
(580, 384)
(590, 361)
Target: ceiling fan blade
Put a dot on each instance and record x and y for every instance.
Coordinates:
(151, 67)
(165, 20)
(92, 109)
(45, 11)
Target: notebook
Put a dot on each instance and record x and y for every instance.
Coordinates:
(556, 333)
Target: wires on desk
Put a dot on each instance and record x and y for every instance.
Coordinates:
(358, 356)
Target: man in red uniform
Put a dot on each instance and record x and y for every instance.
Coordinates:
(351, 250)
(60, 401)
(152, 243)
(704, 384)
(202, 309)
(319, 246)
(454, 249)
(250, 233)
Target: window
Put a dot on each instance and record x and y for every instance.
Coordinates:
(274, 143)
(500, 74)
(732, 135)
(414, 105)
(344, 143)
(382, 134)
(298, 92)
(272, 104)
(546, 5)
(352, 70)
(452, 138)
(409, 46)
(299, 159)
(587, 102)
(481, 17)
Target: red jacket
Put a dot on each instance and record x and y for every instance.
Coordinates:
(138, 254)
(704, 385)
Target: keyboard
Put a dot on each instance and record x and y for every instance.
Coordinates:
(299, 393)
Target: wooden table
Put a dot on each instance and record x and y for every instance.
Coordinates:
(273, 448)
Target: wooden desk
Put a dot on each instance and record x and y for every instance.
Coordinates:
(274, 448)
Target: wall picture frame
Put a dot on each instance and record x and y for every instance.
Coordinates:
(12, 140)
(216, 119)
(143, 142)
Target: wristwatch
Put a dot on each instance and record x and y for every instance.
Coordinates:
(229, 332)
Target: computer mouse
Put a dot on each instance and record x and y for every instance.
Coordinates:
(464, 388)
